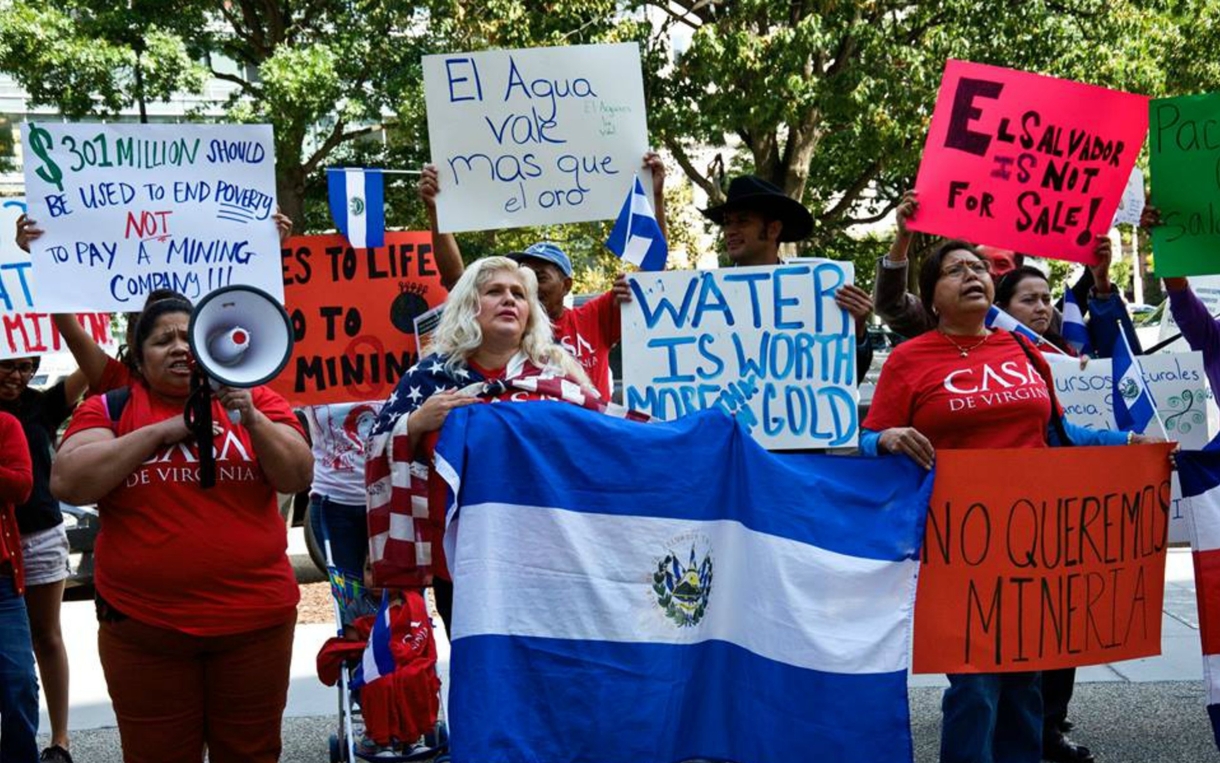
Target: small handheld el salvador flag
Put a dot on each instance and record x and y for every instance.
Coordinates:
(999, 319)
(357, 204)
(1075, 332)
(378, 660)
(636, 236)
(1134, 407)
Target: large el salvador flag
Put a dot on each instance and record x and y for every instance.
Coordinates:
(668, 591)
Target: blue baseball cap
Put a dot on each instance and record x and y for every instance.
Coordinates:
(547, 252)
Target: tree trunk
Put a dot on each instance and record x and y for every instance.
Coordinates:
(290, 190)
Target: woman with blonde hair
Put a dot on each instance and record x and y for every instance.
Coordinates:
(494, 342)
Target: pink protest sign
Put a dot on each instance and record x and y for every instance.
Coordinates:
(1026, 162)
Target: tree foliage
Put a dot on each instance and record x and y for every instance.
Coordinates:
(831, 100)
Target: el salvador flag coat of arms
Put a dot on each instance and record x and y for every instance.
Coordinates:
(660, 592)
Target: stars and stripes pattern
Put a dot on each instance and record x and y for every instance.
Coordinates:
(406, 528)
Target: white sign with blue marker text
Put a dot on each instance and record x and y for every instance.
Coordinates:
(1183, 401)
(26, 329)
(768, 345)
(129, 208)
(534, 137)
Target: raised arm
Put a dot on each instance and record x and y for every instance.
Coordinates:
(90, 357)
(901, 310)
(652, 160)
(444, 245)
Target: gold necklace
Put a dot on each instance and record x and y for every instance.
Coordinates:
(965, 351)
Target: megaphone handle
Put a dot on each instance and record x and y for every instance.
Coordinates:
(234, 416)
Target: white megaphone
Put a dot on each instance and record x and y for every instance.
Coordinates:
(240, 337)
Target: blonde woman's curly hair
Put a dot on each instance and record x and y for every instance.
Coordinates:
(459, 336)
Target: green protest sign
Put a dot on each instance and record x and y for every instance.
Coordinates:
(1185, 154)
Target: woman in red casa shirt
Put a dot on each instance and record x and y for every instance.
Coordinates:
(961, 385)
(196, 596)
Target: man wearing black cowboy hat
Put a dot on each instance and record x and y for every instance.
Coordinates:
(755, 218)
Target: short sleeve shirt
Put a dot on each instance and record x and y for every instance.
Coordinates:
(205, 562)
(589, 333)
(992, 398)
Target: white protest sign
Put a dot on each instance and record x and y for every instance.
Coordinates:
(1131, 205)
(1183, 399)
(534, 137)
(129, 208)
(26, 328)
(765, 344)
(1207, 289)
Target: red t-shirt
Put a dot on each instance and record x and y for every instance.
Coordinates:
(588, 333)
(993, 398)
(206, 562)
(116, 374)
(16, 481)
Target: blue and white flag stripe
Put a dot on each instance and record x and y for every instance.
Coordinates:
(377, 660)
(1001, 319)
(562, 648)
(636, 236)
(840, 617)
(1075, 332)
(357, 205)
(1134, 405)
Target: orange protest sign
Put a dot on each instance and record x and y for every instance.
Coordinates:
(1036, 559)
(353, 315)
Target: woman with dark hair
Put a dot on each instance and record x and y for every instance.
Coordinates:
(196, 596)
(936, 391)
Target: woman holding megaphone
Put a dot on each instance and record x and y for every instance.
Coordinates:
(196, 596)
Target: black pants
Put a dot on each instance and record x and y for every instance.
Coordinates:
(1057, 686)
(443, 589)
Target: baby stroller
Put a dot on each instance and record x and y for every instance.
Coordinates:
(345, 747)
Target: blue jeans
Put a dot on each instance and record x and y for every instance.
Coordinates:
(992, 718)
(18, 684)
(347, 528)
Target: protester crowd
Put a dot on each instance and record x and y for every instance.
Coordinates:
(196, 599)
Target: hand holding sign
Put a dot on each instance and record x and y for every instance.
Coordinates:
(1026, 162)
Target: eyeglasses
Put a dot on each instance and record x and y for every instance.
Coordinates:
(25, 369)
(958, 269)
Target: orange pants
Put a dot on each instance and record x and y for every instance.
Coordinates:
(175, 694)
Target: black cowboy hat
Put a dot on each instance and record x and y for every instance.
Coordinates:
(754, 193)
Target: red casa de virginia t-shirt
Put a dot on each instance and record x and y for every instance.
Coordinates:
(993, 398)
(206, 562)
(588, 333)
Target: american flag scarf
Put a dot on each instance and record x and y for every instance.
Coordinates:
(405, 502)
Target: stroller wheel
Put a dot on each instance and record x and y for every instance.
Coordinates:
(337, 753)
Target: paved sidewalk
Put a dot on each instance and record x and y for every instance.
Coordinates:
(1142, 711)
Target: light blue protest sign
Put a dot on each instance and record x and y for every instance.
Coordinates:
(767, 345)
(26, 328)
(1183, 401)
(129, 208)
